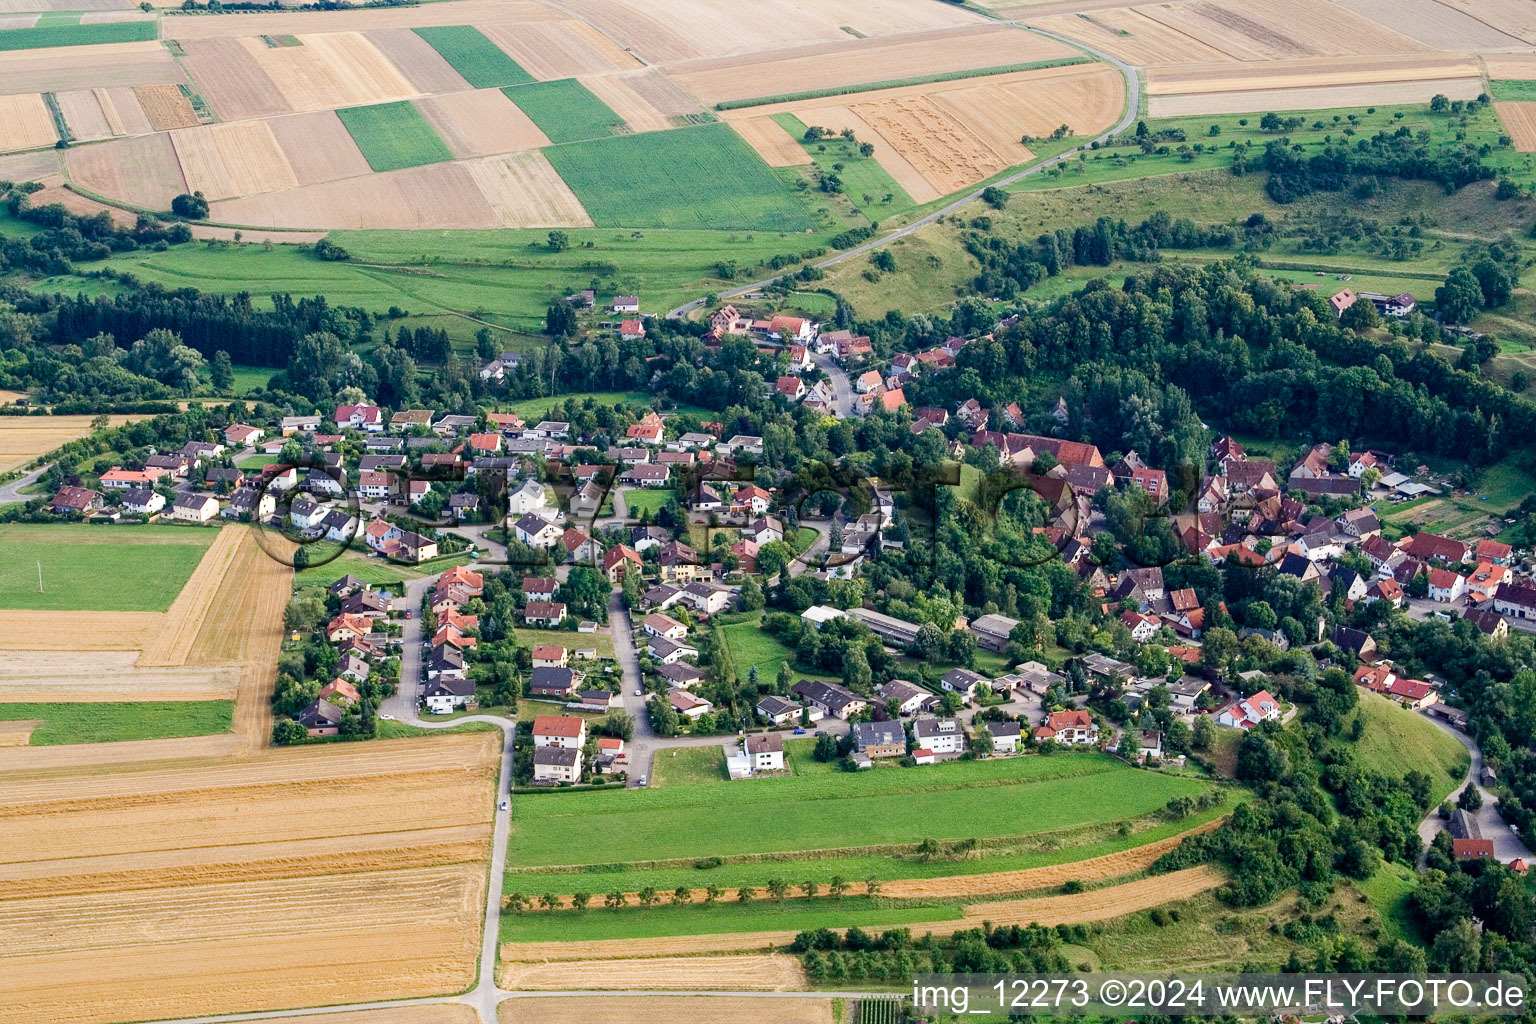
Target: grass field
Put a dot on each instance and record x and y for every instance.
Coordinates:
(861, 175)
(483, 64)
(690, 766)
(646, 499)
(370, 570)
(1513, 89)
(75, 34)
(106, 723)
(751, 646)
(393, 135)
(699, 177)
(949, 801)
(1388, 890)
(566, 638)
(252, 378)
(1042, 851)
(90, 568)
(1397, 740)
(565, 110)
(761, 915)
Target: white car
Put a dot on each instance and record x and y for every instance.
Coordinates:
(506, 804)
(639, 693)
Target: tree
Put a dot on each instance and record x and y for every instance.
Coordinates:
(1130, 743)
(287, 731)
(1459, 299)
(1439, 103)
(994, 197)
(614, 900)
(837, 887)
(809, 888)
(872, 886)
(744, 894)
(1495, 283)
(1204, 733)
(559, 241)
(648, 896)
(579, 900)
(1471, 798)
(221, 374)
(193, 207)
(516, 902)
(680, 895)
(161, 356)
(1361, 316)
(712, 893)
(825, 750)
(982, 743)
(778, 889)
(856, 674)
(881, 259)
(560, 319)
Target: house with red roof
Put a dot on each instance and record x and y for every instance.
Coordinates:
(1248, 712)
(1074, 727)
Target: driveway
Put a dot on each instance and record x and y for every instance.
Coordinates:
(10, 494)
(1506, 844)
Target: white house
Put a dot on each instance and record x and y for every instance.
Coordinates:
(194, 508)
(1446, 586)
(1247, 712)
(1070, 727)
(766, 752)
(566, 731)
(556, 765)
(443, 696)
(940, 735)
(530, 497)
(143, 501)
(1006, 736)
(537, 532)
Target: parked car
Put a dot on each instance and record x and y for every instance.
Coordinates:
(799, 732)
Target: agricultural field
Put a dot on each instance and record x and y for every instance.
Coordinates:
(698, 177)
(104, 722)
(149, 565)
(393, 136)
(202, 866)
(483, 64)
(61, 34)
(565, 110)
(979, 799)
(630, 1009)
(25, 438)
(1311, 84)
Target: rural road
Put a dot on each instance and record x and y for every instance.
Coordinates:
(1506, 844)
(842, 391)
(11, 492)
(1132, 111)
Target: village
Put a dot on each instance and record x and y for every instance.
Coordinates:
(589, 570)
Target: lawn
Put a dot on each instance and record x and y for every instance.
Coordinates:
(94, 568)
(699, 177)
(1039, 851)
(598, 922)
(565, 110)
(647, 499)
(1397, 740)
(393, 135)
(565, 638)
(110, 722)
(955, 800)
(690, 766)
(370, 570)
(483, 64)
(78, 35)
(751, 646)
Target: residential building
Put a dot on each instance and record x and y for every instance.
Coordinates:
(443, 696)
(565, 731)
(831, 698)
(880, 739)
(766, 752)
(1247, 712)
(1007, 737)
(544, 613)
(556, 765)
(553, 680)
(193, 508)
(1069, 727)
(940, 735)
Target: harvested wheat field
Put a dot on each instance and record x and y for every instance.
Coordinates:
(59, 68)
(1303, 74)
(1510, 65)
(211, 580)
(140, 171)
(480, 123)
(769, 972)
(294, 22)
(776, 146)
(83, 115)
(80, 205)
(1520, 121)
(75, 631)
(229, 78)
(198, 890)
(165, 107)
(636, 111)
(1131, 36)
(33, 166)
(1434, 24)
(425, 68)
(524, 191)
(850, 62)
(559, 49)
(664, 1010)
(25, 122)
(225, 160)
(420, 1013)
(1318, 98)
(27, 676)
(1512, 17)
(1277, 29)
(1097, 904)
(24, 438)
(436, 196)
(342, 69)
(124, 113)
(318, 147)
(17, 733)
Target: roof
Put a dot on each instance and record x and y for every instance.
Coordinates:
(562, 726)
(564, 757)
(888, 733)
(765, 743)
(1469, 849)
(544, 610)
(548, 652)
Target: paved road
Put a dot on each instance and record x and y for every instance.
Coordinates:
(10, 494)
(1132, 111)
(1506, 844)
(842, 390)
